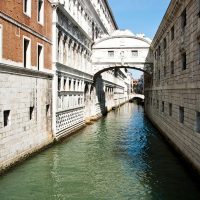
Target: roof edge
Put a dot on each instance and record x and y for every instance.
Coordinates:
(111, 14)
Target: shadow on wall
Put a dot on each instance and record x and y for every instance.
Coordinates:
(101, 94)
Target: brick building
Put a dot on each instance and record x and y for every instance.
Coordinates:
(25, 77)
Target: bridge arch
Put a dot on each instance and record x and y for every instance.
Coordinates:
(122, 49)
(147, 70)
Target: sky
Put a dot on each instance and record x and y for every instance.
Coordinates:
(139, 16)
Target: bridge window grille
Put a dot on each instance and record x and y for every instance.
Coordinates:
(172, 67)
(184, 61)
(110, 53)
(134, 53)
(170, 109)
(172, 33)
(198, 122)
(181, 114)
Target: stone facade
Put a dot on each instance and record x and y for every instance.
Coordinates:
(173, 93)
(25, 79)
(77, 25)
(47, 72)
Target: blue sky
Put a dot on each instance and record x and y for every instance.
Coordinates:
(139, 16)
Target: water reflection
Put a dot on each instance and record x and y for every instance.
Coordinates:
(121, 156)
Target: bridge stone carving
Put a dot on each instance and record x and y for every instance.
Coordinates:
(122, 49)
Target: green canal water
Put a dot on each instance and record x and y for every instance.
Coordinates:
(121, 156)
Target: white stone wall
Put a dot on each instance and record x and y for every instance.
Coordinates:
(21, 89)
(178, 87)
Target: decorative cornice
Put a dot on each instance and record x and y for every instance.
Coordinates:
(10, 69)
(122, 36)
(166, 21)
(111, 14)
(63, 69)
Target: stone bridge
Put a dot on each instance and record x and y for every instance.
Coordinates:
(139, 96)
(122, 50)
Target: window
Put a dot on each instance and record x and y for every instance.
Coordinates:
(172, 67)
(163, 106)
(6, 117)
(165, 43)
(159, 51)
(134, 53)
(170, 109)
(1, 41)
(198, 52)
(158, 74)
(165, 71)
(41, 11)
(198, 122)
(184, 62)
(27, 7)
(183, 19)
(93, 31)
(40, 57)
(31, 112)
(155, 55)
(59, 83)
(74, 85)
(27, 52)
(47, 110)
(70, 83)
(157, 106)
(181, 114)
(110, 53)
(199, 8)
(64, 85)
(172, 33)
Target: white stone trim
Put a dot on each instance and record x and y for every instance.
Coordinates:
(41, 21)
(28, 13)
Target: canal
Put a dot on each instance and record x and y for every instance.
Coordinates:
(121, 156)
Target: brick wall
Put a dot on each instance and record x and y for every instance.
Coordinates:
(13, 34)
